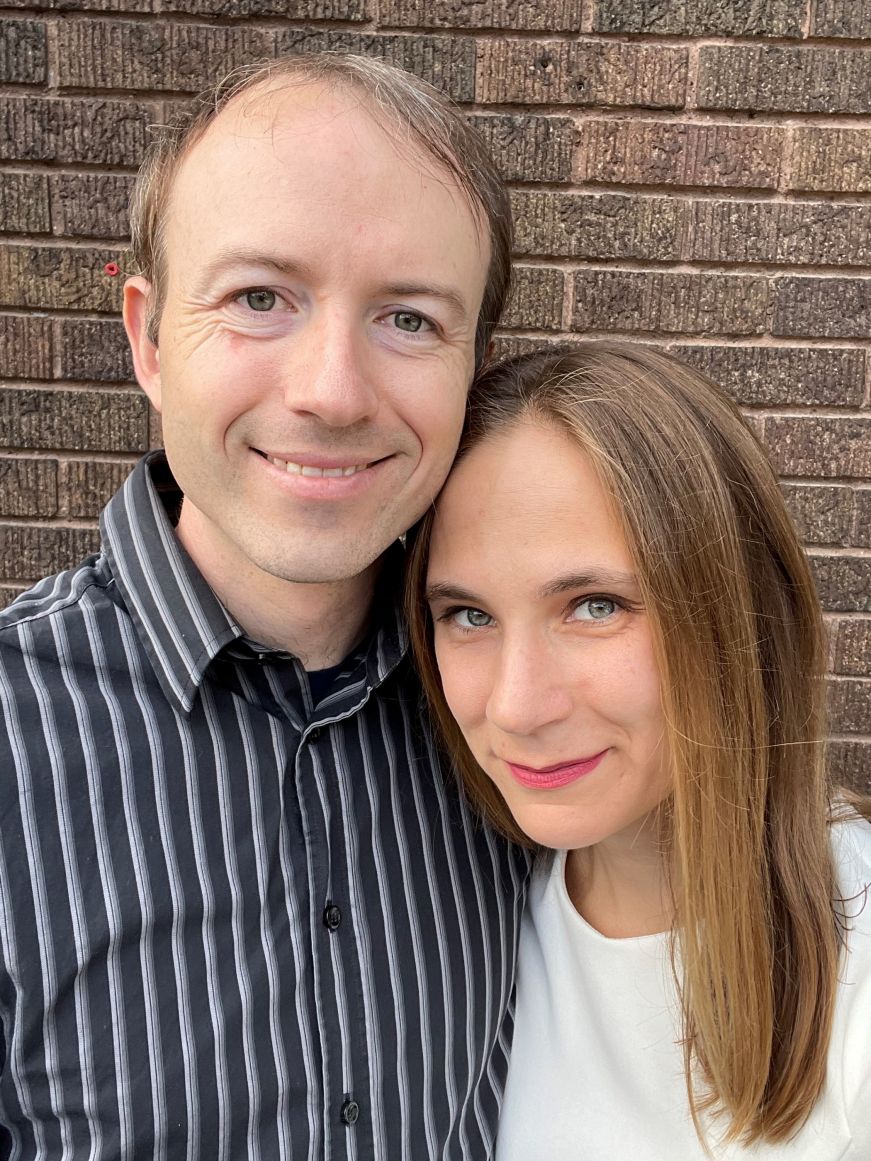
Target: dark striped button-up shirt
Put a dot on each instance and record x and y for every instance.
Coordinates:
(233, 923)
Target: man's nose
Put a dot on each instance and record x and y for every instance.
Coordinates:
(529, 691)
(334, 380)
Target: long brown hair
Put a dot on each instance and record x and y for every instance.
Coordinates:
(739, 642)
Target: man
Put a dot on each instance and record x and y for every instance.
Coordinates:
(242, 914)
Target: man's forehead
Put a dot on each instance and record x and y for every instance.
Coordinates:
(296, 105)
(335, 123)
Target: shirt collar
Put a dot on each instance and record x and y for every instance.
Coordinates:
(180, 621)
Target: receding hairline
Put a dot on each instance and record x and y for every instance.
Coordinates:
(252, 100)
(417, 116)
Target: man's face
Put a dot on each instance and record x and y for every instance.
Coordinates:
(317, 338)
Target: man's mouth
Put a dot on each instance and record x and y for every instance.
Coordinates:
(296, 468)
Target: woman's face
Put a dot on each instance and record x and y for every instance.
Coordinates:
(543, 644)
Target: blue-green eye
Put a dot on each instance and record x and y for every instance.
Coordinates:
(595, 609)
(261, 300)
(467, 619)
(408, 321)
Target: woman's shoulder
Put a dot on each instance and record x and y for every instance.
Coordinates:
(850, 1055)
(851, 848)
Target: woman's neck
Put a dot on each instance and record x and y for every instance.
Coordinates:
(620, 886)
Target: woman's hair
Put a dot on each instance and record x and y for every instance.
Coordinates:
(738, 637)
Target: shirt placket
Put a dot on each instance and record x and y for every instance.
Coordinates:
(338, 984)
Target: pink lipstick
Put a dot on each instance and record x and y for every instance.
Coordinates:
(552, 777)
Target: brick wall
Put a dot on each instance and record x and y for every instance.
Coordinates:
(690, 172)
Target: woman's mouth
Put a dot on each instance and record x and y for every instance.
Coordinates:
(552, 777)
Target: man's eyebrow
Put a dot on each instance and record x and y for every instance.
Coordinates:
(226, 259)
(447, 294)
(243, 256)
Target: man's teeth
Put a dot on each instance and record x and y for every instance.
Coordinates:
(306, 470)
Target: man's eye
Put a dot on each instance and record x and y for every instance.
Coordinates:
(262, 300)
(595, 609)
(406, 320)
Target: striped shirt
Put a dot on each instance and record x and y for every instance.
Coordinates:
(233, 924)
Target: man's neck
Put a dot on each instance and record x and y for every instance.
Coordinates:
(318, 623)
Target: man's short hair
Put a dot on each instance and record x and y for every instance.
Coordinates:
(412, 110)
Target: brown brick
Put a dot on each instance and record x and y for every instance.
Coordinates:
(849, 765)
(24, 205)
(508, 346)
(8, 594)
(84, 5)
(128, 55)
(155, 429)
(77, 420)
(596, 225)
(448, 62)
(701, 303)
(28, 487)
(74, 130)
(701, 17)
(23, 54)
(831, 159)
(844, 582)
(860, 535)
(784, 79)
(668, 153)
(91, 204)
(847, 18)
(25, 347)
(529, 148)
(29, 552)
(822, 514)
(777, 376)
(834, 308)
(818, 233)
(88, 485)
(581, 73)
(95, 350)
(536, 300)
(514, 15)
(812, 445)
(54, 277)
(849, 705)
(297, 10)
(853, 647)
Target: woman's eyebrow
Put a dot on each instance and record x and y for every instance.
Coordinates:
(442, 591)
(593, 578)
(567, 582)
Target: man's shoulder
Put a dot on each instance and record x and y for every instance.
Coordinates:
(54, 599)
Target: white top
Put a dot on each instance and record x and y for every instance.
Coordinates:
(595, 1072)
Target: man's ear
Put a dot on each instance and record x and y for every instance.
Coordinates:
(146, 357)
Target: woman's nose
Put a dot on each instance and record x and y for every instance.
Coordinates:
(529, 691)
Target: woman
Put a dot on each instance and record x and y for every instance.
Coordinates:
(622, 646)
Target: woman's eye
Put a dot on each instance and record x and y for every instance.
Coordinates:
(467, 618)
(262, 300)
(406, 320)
(595, 609)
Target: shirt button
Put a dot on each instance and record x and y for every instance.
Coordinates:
(332, 918)
(350, 1113)
(315, 734)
